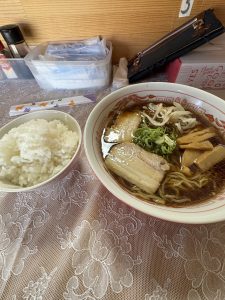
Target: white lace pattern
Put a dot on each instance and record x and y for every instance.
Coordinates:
(72, 239)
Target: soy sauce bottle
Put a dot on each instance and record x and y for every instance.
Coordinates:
(15, 40)
(18, 49)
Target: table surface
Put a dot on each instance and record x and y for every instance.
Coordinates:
(72, 239)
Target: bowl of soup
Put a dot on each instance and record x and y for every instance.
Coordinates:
(160, 148)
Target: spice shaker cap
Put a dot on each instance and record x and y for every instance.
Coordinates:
(1, 46)
(12, 34)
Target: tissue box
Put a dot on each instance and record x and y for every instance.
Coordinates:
(204, 69)
(65, 74)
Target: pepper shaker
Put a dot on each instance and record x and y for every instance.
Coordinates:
(15, 40)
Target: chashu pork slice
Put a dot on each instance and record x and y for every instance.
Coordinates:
(139, 167)
(122, 130)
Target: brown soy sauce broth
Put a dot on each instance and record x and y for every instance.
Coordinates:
(216, 185)
(217, 173)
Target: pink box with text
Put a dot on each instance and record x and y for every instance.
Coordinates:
(203, 68)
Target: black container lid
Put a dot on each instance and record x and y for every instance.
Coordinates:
(12, 34)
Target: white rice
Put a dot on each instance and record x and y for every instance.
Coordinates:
(35, 151)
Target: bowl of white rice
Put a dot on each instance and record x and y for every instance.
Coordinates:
(36, 148)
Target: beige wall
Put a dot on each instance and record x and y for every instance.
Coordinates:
(131, 24)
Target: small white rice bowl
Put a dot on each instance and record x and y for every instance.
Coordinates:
(35, 148)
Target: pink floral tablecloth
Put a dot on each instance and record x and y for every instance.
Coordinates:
(72, 239)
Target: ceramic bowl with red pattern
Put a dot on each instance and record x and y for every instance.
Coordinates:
(199, 101)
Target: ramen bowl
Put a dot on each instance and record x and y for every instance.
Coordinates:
(48, 115)
(196, 100)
